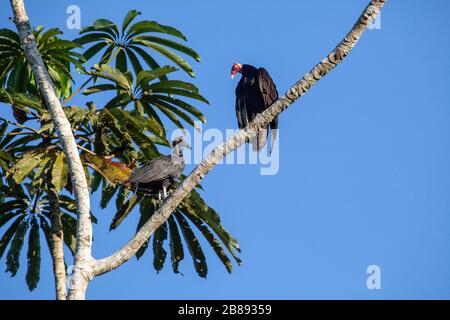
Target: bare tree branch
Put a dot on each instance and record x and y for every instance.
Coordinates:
(261, 121)
(83, 258)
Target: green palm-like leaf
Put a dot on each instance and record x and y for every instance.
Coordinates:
(33, 255)
(183, 64)
(176, 245)
(58, 56)
(20, 100)
(213, 241)
(45, 226)
(136, 129)
(123, 212)
(107, 72)
(159, 253)
(28, 209)
(108, 192)
(5, 216)
(147, 76)
(60, 172)
(25, 165)
(8, 235)
(5, 156)
(13, 256)
(147, 207)
(126, 45)
(196, 206)
(195, 249)
(129, 18)
(149, 94)
(42, 169)
(22, 104)
(129, 132)
(171, 44)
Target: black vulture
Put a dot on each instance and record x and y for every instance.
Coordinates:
(255, 92)
(160, 173)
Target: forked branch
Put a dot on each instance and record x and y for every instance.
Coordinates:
(261, 121)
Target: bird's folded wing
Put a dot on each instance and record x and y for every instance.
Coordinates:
(241, 107)
(156, 170)
(267, 87)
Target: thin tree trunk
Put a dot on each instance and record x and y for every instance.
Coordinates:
(83, 259)
(261, 121)
(59, 268)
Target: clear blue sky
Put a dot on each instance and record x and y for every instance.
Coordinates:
(364, 163)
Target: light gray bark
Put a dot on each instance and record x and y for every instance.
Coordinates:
(83, 258)
(261, 121)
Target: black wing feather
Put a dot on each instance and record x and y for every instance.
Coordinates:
(268, 88)
(241, 107)
(269, 92)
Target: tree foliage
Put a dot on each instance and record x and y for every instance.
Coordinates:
(127, 46)
(129, 130)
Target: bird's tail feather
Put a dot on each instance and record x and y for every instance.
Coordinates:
(259, 140)
(273, 134)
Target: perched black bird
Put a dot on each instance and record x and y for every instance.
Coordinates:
(255, 92)
(160, 173)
